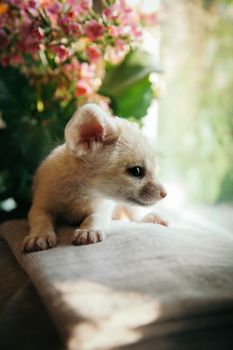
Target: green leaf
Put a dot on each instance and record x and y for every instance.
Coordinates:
(137, 65)
(133, 101)
(128, 85)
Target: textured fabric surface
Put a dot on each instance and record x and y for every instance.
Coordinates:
(25, 323)
(12, 276)
(142, 284)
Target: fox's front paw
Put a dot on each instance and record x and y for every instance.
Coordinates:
(154, 219)
(34, 243)
(87, 236)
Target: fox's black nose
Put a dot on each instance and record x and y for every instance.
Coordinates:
(163, 194)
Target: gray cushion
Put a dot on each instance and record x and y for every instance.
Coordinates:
(144, 285)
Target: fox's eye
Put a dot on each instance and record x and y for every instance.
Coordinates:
(136, 171)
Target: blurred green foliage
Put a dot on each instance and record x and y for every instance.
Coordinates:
(197, 111)
(217, 105)
(129, 87)
(209, 3)
(34, 122)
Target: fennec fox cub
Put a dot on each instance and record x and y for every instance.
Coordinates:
(104, 160)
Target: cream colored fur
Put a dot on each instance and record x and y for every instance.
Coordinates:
(81, 180)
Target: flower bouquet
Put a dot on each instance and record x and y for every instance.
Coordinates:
(56, 55)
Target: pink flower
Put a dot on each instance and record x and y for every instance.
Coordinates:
(28, 45)
(69, 24)
(114, 31)
(74, 28)
(82, 88)
(118, 9)
(15, 2)
(31, 7)
(16, 60)
(30, 36)
(37, 33)
(111, 13)
(149, 19)
(61, 53)
(53, 9)
(32, 4)
(72, 69)
(116, 53)
(72, 32)
(93, 53)
(94, 30)
(5, 61)
(4, 40)
(87, 71)
(83, 6)
(120, 45)
(135, 31)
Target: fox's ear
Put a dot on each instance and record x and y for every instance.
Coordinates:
(90, 129)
